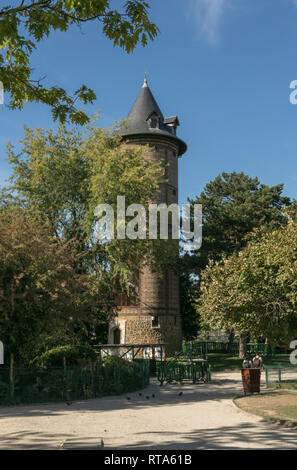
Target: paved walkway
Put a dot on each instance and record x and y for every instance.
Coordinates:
(203, 417)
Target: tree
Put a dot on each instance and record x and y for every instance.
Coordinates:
(22, 27)
(190, 317)
(233, 205)
(65, 175)
(255, 290)
(41, 292)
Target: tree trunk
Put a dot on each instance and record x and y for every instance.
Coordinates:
(231, 340)
(243, 345)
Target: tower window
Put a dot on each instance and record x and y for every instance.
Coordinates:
(171, 122)
(153, 120)
(172, 129)
(116, 336)
(155, 321)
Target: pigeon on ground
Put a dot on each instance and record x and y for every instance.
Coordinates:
(68, 403)
(128, 398)
(153, 395)
(180, 394)
(140, 394)
(147, 398)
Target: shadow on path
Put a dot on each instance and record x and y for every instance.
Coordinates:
(217, 390)
(210, 406)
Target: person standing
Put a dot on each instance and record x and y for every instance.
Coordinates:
(258, 362)
(247, 363)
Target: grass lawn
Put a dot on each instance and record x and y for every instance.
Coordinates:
(280, 406)
(287, 384)
(221, 362)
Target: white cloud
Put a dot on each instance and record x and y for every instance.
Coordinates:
(208, 14)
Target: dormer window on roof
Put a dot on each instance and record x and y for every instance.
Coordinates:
(153, 120)
(172, 122)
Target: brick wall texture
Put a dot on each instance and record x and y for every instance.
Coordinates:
(158, 296)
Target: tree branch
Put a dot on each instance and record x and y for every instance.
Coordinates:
(23, 7)
(77, 18)
(47, 4)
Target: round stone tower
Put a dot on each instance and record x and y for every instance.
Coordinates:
(155, 318)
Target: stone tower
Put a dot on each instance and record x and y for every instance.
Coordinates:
(156, 317)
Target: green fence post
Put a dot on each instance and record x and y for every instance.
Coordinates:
(11, 376)
(193, 370)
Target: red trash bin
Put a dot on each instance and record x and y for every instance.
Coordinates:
(251, 380)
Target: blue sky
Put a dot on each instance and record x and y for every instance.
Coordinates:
(223, 66)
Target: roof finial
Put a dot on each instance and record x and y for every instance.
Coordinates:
(145, 78)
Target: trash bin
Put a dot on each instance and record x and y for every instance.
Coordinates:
(251, 380)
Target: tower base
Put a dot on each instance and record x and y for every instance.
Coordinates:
(147, 329)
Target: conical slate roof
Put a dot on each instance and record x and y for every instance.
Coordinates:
(138, 120)
(144, 105)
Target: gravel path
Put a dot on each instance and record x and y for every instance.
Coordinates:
(203, 417)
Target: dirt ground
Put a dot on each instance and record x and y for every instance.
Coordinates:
(202, 417)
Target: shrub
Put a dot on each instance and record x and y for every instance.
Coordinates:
(115, 361)
(74, 355)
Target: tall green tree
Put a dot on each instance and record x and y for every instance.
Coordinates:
(233, 205)
(190, 316)
(27, 22)
(255, 290)
(65, 175)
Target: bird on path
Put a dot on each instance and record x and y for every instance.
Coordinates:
(128, 398)
(147, 398)
(180, 394)
(68, 403)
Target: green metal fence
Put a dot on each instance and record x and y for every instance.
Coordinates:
(281, 376)
(178, 371)
(221, 347)
(37, 385)
(194, 349)
(261, 348)
(202, 348)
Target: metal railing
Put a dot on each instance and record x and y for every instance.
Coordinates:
(202, 348)
(36, 385)
(177, 370)
(281, 376)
